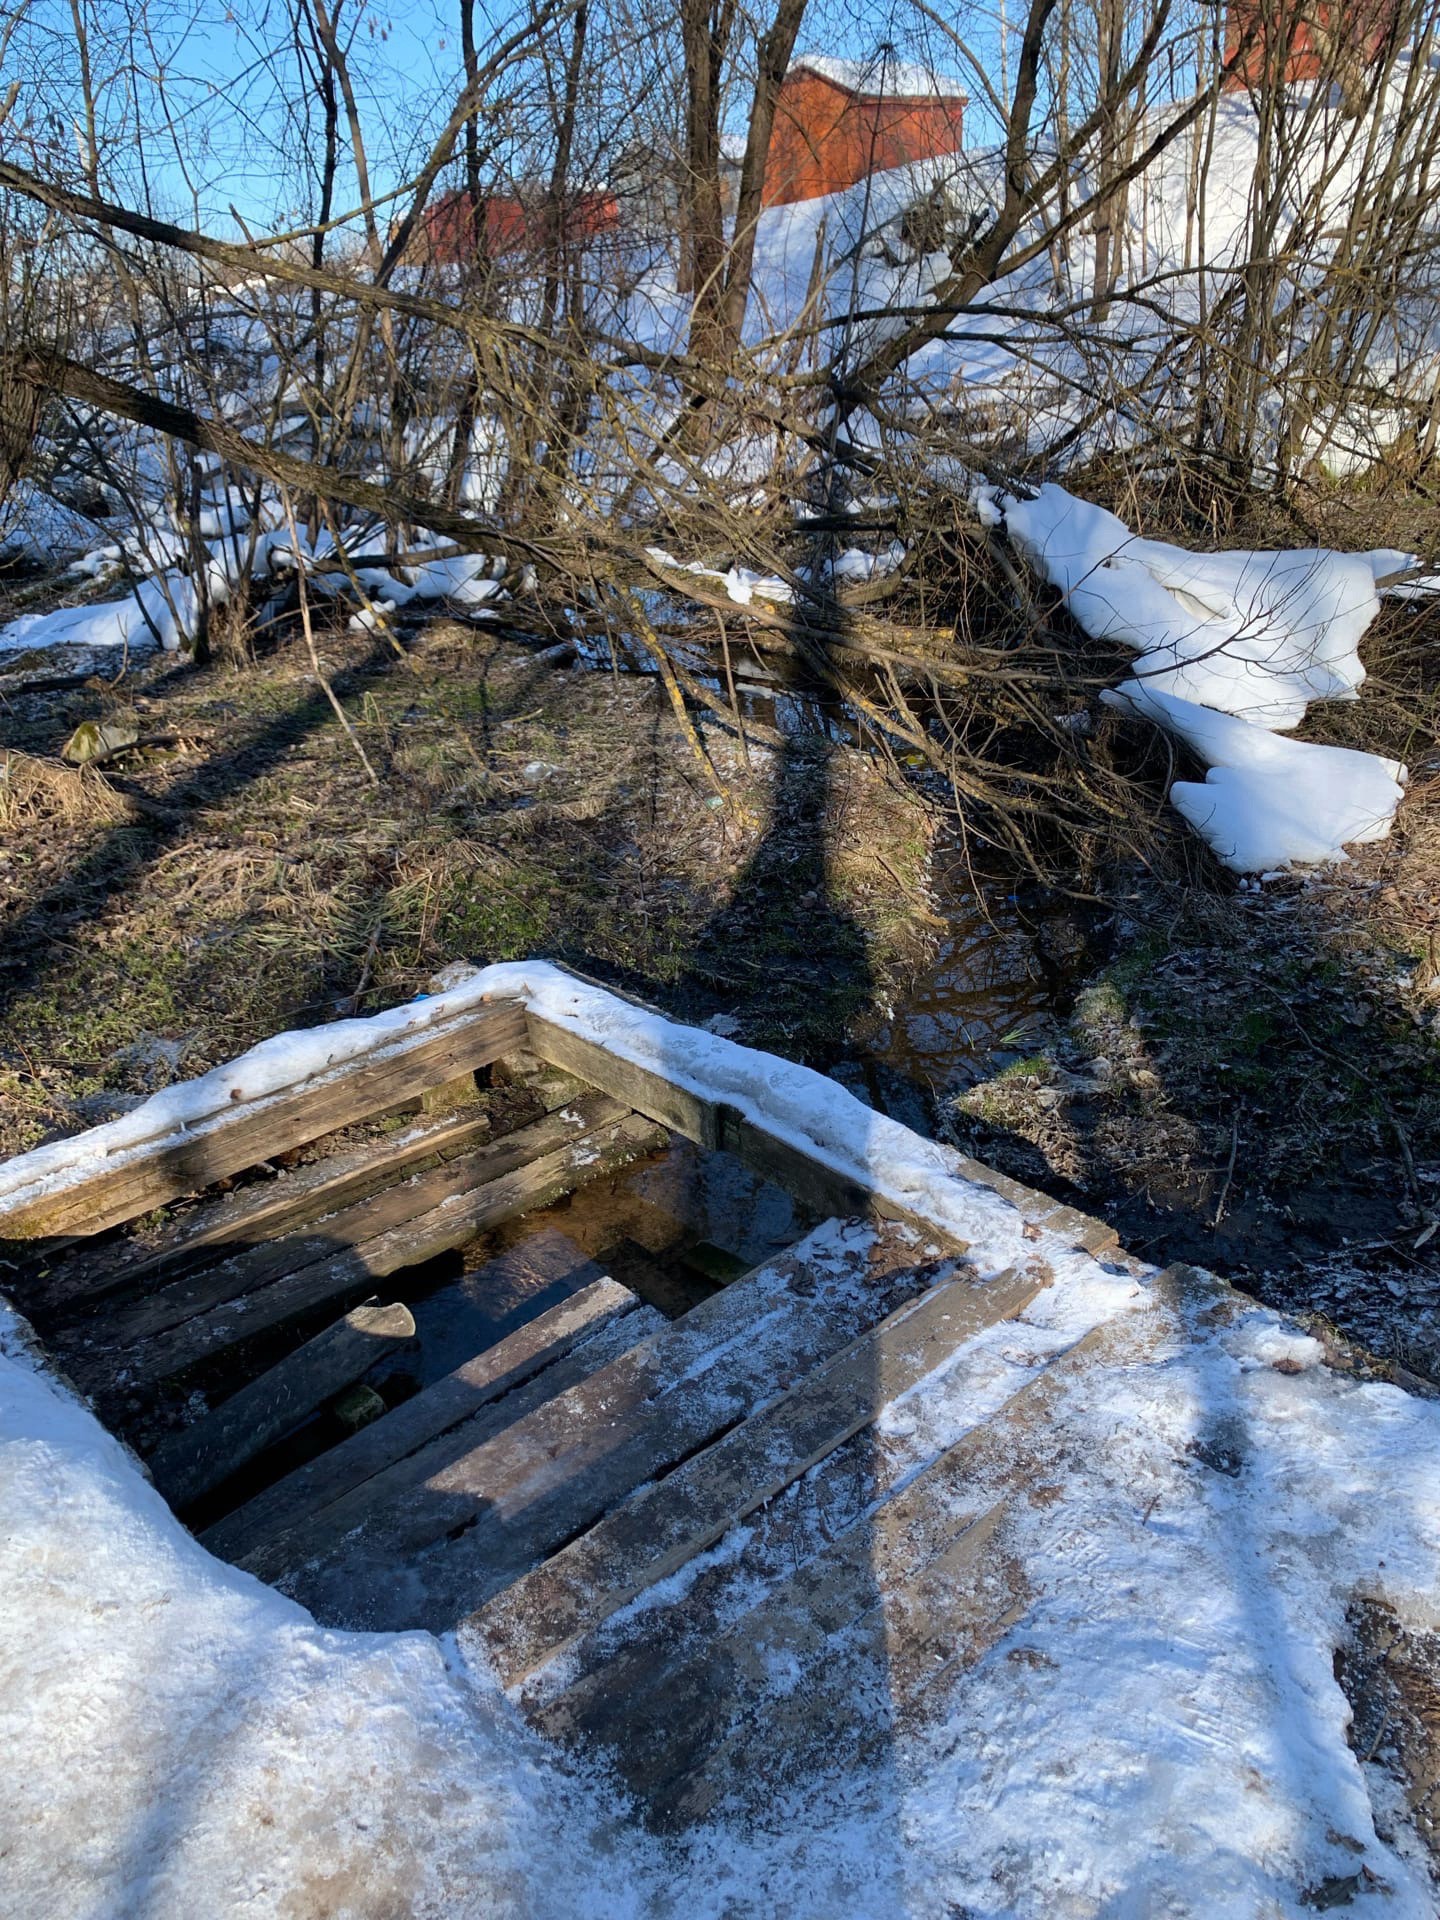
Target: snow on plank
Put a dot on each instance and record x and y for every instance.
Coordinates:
(660, 1528)
(282, 1094)
(453, 1525)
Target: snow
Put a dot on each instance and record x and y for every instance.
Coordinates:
(1232, 648)
(1268, 804)
(741, 584)
(1253, 634)
(883, 77)
(164, 608)
(180, 1739)
(1159, 1731)
(160, 610)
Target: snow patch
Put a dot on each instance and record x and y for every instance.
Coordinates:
(1232, 648)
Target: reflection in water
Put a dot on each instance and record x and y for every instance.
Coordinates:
(1006, 967)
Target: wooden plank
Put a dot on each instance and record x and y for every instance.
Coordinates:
(667, 1720)
(345, 1276)
(293, 1199)
(1041, 1210)
(467, 1521)
(231, 1279)
(824, 1189)
(193, 1463)
(656, 1532)
(314, 1536)
(637, 1087)
(284, 1204)
(808, 1670)
(530, 1350)
(250, 1130)
(814, 1185)
(737, 1750)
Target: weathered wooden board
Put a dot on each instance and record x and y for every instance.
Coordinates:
(345, 1276)
(279, 1558)
(256, 1129)
(191, 1464)
(229, 1279)
(1079, 1229)
(263, 1522)
(468, 1521)
(637, 1087)
(719, 1126)
(653, 1534)
(860, 1632)
(740, 1738)
(284, 1204)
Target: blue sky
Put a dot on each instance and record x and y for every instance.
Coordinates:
(207, 86)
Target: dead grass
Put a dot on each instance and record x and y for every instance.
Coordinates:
(35, 792)
(255, 880)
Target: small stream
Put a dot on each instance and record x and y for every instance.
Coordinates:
(1008, 966)
(1010, 957)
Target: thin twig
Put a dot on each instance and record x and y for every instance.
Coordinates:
(330, 694)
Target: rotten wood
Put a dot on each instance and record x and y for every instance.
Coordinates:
(347, 1274)
(229, 1280)
(467, 1521)
(287, 1202)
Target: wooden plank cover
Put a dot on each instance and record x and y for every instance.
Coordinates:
(285, 1204)
(191, 1464)
(466, 1521)
(653, 1534)
(862, 1631)
(308, 1542)
(456, 1220)
(229, 1279)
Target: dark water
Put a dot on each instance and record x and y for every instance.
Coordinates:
(1007, 967)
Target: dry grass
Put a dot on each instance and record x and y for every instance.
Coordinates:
(35, 792)
(261, 882)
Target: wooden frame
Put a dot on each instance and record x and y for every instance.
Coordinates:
(229, 1141)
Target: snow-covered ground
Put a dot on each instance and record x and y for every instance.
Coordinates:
(1161, 1731)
